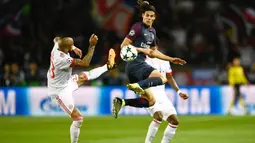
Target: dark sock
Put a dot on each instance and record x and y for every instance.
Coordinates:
(150, 82)
(137, 102)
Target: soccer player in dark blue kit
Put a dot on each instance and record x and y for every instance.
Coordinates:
(141, 75)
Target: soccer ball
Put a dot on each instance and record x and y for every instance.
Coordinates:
(128, 53)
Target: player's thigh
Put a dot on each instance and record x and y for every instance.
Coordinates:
(156, 73)
(65, 100)
(149, 95)
(147, 70)
(168, 110)
(156, 111)
(139, 72)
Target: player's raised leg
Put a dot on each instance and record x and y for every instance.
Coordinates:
(146, 100)
(95, 73)
(170, 129)
(154, 125)
(155, 78)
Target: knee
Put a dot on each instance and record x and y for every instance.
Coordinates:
(158, 116)
(173, 120)
(76, 115)
(152, 102)
(164, 79)
(150, 99)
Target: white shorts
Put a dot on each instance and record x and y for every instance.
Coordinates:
(165, 107)
(64, 97)
(162, 104)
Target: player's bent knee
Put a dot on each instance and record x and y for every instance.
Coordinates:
(152, 102)
(158, 116)
(76, 114)
(172, 119)
(164, 79)
(150, 98)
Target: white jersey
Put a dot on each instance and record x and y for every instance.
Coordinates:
(60, 69)
(164, 68)
(162, 104)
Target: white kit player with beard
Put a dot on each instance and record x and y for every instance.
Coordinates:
(163, 109)
(61, 82)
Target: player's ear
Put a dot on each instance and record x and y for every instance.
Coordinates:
(143, 14)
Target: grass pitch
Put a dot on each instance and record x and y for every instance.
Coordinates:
(127, 129)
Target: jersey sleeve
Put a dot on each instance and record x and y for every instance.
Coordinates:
(134, 32)
(65, 62)
(168, 68)
(55, 46)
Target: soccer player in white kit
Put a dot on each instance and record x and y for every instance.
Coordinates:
(61, 82)
(163, 109)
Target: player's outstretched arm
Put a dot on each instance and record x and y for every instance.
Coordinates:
(128, 41)
(157, 54)
(174, 85)
(87, 58)
(77, 51)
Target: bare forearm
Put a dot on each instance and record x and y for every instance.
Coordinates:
(172, 83)
(87, 58)
(159, 55)
(145, 51)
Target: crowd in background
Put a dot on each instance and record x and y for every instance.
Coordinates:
(208, 34)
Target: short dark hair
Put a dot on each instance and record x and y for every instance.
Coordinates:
(145, 6)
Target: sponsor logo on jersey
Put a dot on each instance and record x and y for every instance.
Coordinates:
(145, 45)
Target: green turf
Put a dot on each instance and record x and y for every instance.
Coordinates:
(192, 129)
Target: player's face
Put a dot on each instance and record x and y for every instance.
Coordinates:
(70, 48)
(236, 62)
(149, 17)
(69, 43)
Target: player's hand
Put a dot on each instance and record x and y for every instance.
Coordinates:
(93, 40)
(77, 51)
(184, 96)
(178, 61)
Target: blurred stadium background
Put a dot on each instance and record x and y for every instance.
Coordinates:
(206, 33)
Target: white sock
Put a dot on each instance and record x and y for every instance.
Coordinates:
(95, 73)
(153, 128)
(169, 133)
(75, 130)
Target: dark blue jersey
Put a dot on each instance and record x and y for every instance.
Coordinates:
(142, 36)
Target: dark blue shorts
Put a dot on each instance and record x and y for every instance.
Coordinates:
(138, 70)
